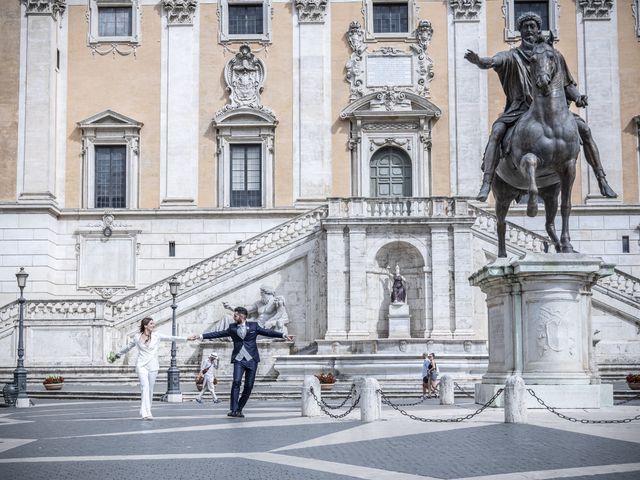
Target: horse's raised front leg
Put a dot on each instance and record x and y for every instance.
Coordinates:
(530, 162)
(550, 196)
(566, 179)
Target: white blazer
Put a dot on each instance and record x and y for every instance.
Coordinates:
(148, 354)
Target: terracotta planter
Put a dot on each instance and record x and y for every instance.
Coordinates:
(326, 387)
(634, 386)
(53, 386)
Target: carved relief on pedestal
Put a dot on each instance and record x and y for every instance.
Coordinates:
(596, 9)
(465, 10)
(180, 12)
(311, 11)
(45, 7)
(553, 332)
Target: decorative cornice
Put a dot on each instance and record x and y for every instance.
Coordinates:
(54, 8)
(311, 11)
(465, 10)
(596, 9)
(180, 12)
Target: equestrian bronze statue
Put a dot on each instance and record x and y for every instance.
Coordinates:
(534, 145)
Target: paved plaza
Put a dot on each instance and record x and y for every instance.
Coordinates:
(106, 440)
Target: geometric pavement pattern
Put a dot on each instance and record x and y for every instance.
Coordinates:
(106, 439)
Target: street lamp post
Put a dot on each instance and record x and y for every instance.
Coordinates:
(20, 373)
(173, 374)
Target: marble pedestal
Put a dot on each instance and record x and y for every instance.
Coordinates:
(539, 309)
(399, 320)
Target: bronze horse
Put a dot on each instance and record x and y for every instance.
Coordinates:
(541, 153)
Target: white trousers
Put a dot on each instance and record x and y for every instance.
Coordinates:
(208, 385)
(147, 380)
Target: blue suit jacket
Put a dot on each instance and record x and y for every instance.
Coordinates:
(249, 342)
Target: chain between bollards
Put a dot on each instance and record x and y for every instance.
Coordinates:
(327, 412)
(455, 384)
(335, 407)
(578, 420)
(386, 401)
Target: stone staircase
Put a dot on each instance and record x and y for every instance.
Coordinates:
(618, 294)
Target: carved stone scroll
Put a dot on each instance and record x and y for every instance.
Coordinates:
(465, 10)
(45, 7)
(596, 9)
(180, 12)
(311, 11)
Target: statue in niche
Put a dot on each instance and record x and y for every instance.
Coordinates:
(399, 286)
(269, 311)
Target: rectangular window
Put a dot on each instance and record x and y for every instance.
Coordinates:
(390, 18)
(114, 21)
(246, 175)
(541, 7)
(625, 244)
(245, 19)
(172, 249)
(111, 176)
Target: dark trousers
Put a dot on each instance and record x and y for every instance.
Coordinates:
(248, 368)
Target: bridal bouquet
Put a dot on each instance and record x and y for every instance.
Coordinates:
(112, 357)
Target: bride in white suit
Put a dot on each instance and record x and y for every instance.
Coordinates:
(147, 365)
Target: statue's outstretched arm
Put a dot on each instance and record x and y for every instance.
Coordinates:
(481, 62)
(573, 95)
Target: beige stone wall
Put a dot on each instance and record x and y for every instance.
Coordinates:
(129, 85)
(9, 89)
(342, 14)
(629, 58)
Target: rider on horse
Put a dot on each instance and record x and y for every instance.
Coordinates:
(512, 67)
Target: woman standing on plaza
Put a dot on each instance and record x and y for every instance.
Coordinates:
(147, 365)
(434, 375)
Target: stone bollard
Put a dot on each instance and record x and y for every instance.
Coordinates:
(358, 382)
(370, 400)
(310, 407)
(446, 390)
(515, 401)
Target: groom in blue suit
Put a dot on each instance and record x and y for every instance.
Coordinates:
(245, 356)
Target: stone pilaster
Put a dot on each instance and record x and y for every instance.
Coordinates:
(337, 293)
(312, 98)
(462, 264)
(358, 328)
(441, 282)
(467, 101)
(37, 149)
(597, 59)
(179, 117)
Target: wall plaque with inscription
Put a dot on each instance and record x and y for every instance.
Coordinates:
(386, 71)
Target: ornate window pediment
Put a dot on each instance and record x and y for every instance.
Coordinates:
(244, 124)
(388, 67)
(110, 129)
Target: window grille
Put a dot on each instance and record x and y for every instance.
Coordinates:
(246, 175)
(114, 21)
(245, 19)
(111, 176)
(390, 18)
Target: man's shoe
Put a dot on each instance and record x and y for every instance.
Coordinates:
(216, 401)
(198, 400)
(239, 414)
(232, 414)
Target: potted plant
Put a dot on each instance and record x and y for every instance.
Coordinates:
(327, 380)
(633, 380)
(53, 382)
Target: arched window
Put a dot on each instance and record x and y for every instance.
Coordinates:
(390, 171)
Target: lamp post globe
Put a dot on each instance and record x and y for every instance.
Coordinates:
(173, 374)
(20, 373)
